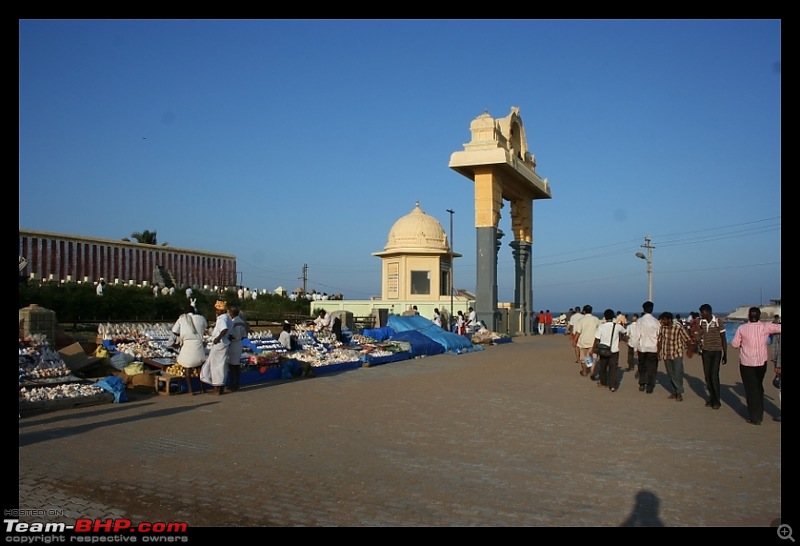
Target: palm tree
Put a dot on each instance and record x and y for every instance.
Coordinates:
(146, 237)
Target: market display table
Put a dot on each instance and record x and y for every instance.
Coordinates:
(166, 383)
(159, 363)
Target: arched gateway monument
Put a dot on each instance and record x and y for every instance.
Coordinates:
(497, 160)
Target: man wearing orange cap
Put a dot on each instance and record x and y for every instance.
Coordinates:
(215, 369)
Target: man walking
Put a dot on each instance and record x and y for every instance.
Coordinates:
(712, 342)
(672, 343)
(631, 329)
(586, 328)
(645, 344)
(751, 340)
(577, 315)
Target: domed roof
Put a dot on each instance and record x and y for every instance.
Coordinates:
(417, 232)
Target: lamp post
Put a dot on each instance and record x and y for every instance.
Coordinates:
(241, 282)
(452, 265)
(649, 259)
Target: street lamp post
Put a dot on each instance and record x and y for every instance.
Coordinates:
(649, 259)
(452, 266)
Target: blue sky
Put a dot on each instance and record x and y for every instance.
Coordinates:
(292, 142)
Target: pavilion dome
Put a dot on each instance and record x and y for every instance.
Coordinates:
(417, 232)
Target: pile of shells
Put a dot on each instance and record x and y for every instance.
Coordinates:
(30, 371)
(44, 394)
(40, 362)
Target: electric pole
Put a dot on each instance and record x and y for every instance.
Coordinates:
(304, 277)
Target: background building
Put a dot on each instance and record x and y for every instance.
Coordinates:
(416, 270)
(60, 257)
(417, 260)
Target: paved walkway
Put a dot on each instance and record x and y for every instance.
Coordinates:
(508, 436)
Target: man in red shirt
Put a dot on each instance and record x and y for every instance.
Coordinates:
(548, 322)
(540, 322)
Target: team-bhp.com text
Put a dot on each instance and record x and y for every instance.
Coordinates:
(94, 531)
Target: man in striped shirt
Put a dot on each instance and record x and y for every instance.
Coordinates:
(751, 340)
(712, 342)
(672, 343)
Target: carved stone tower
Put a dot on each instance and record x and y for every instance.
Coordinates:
(498, 162)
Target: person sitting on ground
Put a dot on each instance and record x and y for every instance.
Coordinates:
(322, 322)
(289, 342)
(285, 337)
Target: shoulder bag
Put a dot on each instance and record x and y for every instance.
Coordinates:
(603, 350)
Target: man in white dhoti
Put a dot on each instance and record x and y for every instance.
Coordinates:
(215, 369)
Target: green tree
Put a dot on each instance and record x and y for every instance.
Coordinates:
(146, 237)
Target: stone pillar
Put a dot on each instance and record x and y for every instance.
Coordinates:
(486, 289)
(488, 202)
(522, 284)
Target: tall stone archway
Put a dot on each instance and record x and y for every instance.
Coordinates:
(502, 168)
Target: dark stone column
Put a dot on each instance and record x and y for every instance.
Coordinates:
(522, 284)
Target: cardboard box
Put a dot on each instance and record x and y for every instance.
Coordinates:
(76, 358)
(147, 379)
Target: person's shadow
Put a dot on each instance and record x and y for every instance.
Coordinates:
(645, 511)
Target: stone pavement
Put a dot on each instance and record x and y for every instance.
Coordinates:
(508, 436)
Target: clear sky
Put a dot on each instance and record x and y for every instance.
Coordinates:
(292, 142)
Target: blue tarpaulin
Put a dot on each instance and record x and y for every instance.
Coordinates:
(421, 345)
(450, 342)
(115, 386)
(378, 334)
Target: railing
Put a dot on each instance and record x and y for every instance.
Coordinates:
(360, 323)
(88, 325)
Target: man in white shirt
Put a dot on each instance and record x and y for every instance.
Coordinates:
(645, 344)
(323, 321)
(472, 321)
(586, 329)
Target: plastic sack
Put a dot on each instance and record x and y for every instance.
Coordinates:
(120, 360)
(134, 368)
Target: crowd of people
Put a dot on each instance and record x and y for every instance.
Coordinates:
(597, 345)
